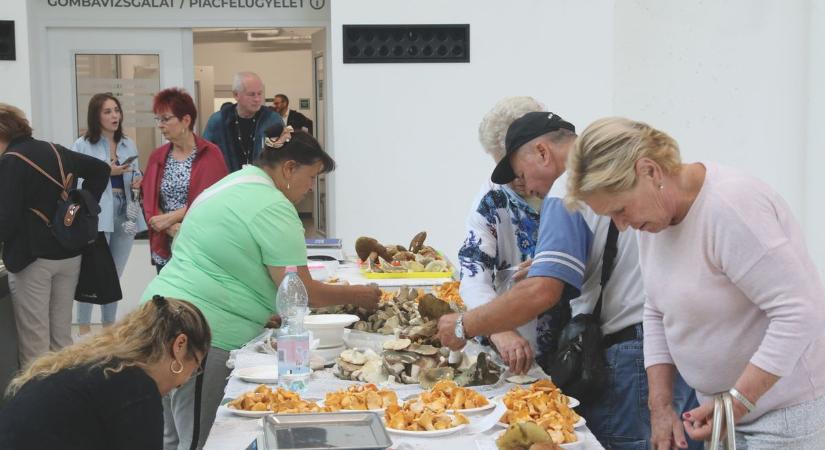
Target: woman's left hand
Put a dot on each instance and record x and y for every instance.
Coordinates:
(699, 421)
(162, 221)
(136, 181)
(173, 230)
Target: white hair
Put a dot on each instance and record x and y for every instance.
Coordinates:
(240, 77)
(493, 127)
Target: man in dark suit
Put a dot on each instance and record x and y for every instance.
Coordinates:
(280, 104)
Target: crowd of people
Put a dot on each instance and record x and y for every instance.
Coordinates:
(697, 274)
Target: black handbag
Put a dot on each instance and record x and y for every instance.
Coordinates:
(578, 367)
(98, 283)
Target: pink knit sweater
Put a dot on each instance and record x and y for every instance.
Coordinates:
(733, 283)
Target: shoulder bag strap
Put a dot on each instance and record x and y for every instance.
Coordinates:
(46, 174)
(608, 258)
(67, 180)
(37, 168)
(722, 416)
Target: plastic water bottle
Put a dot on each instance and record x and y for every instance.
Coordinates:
(293, 341)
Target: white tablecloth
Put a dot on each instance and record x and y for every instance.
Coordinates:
(231, 432)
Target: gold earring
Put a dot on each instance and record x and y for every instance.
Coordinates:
(172, 367)
(287, 186)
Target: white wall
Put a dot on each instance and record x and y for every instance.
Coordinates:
(738, 82)
(286, 72)
(15, 85)
(815, 146)
(730, 82)
(404, 135)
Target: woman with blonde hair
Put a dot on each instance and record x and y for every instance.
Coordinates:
(105, 392)
(502, 230)
(734, 301)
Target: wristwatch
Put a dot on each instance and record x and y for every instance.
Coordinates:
(459, 327)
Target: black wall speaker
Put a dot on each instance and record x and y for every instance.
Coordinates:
(7, 40)
(406, 43)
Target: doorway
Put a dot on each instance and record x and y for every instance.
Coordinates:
(284, 59)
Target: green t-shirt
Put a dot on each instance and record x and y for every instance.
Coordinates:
(221, 254)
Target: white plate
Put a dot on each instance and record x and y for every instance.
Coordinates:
(575, 445)
(426, 433)
(259, 374)
(580, 423)
(244, 413)
(490, 405)
(571, 401)
(330, 320)
(571, 446)
(380, 411)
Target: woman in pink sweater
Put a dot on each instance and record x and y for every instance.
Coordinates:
(734, 301)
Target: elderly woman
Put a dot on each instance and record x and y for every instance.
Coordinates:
(177, 172)
(230, 257)
(104, 140)
(734, 301)
(502, 229)
(105, 392)
(43, 274)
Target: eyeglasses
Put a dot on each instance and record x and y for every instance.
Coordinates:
(164, 120)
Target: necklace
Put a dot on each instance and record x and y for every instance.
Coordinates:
(246, 152)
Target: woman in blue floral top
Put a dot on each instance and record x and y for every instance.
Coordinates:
(502, 229)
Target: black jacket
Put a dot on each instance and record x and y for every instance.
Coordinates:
(25, 236)
(297, 120)
(81, 409)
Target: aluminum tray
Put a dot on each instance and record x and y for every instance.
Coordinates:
(342, 430)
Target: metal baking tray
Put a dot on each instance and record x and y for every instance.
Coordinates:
(341, 430)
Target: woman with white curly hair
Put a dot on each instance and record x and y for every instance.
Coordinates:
(502, 229)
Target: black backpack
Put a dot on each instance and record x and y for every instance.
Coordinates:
(74, 224)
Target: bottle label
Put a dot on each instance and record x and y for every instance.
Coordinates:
(293, 355)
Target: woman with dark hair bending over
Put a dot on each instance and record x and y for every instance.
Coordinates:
(105, 392)
(230, 256)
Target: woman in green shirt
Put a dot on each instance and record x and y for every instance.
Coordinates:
(229, 258)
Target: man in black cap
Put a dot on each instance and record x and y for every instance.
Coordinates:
(568, 265)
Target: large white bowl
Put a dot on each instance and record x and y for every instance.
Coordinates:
(329, 328)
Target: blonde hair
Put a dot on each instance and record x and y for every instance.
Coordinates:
(604, 157)
(13, 123)
(494, 125)
(139, 339)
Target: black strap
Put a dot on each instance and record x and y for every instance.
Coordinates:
(196, 426)
(610, 252)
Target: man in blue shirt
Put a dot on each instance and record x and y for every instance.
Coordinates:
(568, 265)
(238, 128)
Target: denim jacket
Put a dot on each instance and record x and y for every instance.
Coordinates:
(125, 149)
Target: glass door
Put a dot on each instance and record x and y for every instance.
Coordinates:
(320, 134)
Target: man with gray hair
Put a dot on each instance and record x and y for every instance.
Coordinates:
(238, 128)
(570, 265)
